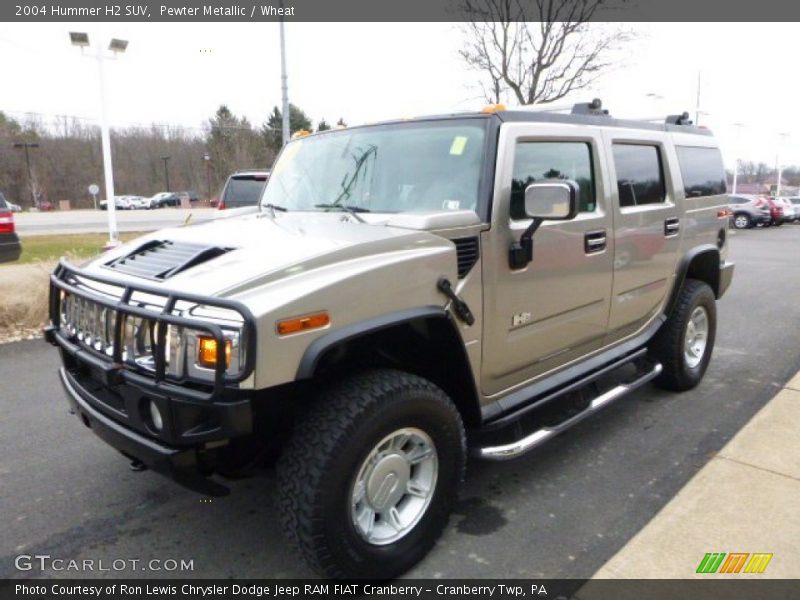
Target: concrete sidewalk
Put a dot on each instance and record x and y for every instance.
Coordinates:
(745, 500)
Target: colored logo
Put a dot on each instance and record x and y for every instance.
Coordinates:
(735, 562)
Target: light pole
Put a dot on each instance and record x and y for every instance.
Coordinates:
(697, 104)
(736, 158)
(116, 47)
(207, 162)
(778, 167)
(27, 146)
(166, 169)
(284, 86)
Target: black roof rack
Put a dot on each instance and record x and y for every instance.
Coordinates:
(595, 107)
(681, 119)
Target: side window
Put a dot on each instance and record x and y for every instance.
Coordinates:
(539, 161)
(702, 171)
(640, 177)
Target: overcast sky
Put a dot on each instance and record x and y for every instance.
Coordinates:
(180, 73)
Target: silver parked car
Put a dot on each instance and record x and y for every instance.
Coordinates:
(748, 211)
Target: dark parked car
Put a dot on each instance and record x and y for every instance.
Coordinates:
(243, 189)
(749, 211)
(10, 247)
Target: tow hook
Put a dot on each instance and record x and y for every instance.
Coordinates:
(459, 306)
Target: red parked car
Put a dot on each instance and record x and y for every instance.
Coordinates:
(10, 247)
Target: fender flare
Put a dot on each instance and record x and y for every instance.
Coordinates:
(317, 349)
(683, 270)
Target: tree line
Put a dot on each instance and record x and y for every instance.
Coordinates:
(67, 156)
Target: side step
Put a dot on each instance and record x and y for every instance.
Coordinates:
(529, 442)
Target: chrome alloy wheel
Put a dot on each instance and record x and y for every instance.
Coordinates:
(740, 222)
(696, 337)
(394, 486)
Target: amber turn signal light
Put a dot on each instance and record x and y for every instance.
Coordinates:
(207, 353)
(297, 324)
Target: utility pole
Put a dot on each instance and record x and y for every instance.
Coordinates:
(26, 146)
(166, 170)
(284, 85)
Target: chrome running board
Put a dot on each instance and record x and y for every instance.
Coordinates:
(529, 442)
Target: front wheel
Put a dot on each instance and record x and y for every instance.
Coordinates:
(370, 475)
(685, 341)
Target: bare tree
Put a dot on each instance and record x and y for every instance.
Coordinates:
(536, 62)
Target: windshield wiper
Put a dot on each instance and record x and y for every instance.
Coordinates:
(353, 210)
(274, 207)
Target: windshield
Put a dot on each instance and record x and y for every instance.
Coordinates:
(243, 191)
(408, 167)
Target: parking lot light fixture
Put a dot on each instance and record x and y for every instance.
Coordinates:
(116, 47)
(79, 39)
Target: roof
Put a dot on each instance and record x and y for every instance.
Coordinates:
(590, 113)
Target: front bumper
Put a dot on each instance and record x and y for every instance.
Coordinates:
(187, 465)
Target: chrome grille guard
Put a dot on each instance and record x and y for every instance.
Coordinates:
(65, 278)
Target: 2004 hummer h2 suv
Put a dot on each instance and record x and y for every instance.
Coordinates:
(404, 293)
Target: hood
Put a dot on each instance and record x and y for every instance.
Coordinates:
(261, 248)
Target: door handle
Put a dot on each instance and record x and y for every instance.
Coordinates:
(594, 241)
(672, 226)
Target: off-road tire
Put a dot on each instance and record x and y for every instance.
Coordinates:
(320, 463)
(668, 345)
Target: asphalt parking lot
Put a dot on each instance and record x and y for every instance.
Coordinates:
(559, 512)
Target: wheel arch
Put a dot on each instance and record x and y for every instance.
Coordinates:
(702, 263)
(423, 340)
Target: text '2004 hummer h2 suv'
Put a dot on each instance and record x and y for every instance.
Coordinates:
(404, 293)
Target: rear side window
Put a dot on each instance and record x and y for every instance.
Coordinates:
(244, 191)
(540, 161)
(640, 176)
(702, 171)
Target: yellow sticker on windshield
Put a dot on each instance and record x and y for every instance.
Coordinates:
(287, 156)
(457, 147)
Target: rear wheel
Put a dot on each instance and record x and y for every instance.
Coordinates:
(368, 480)
(742, 221)
(685, 341)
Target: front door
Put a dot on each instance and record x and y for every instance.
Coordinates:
(555, 309)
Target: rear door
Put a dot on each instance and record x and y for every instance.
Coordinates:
(647, 226)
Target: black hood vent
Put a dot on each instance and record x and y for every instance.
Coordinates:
(468, 252)
(160, 259)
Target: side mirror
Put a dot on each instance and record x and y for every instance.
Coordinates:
(552, 200)
(544, 201)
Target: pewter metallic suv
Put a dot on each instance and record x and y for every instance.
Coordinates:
(404, 294)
